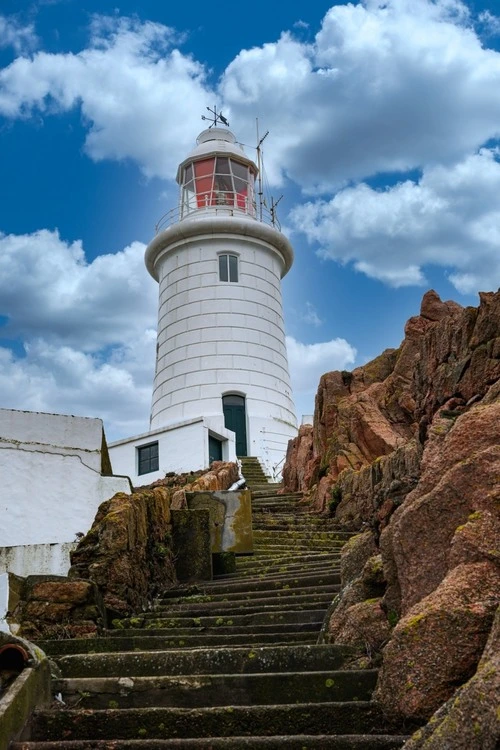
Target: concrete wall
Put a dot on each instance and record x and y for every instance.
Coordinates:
(52, 484)
(182, 447)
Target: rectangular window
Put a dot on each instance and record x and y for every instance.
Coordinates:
(228, 268)
(147, 456)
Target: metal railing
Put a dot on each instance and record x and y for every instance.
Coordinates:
(217, 203)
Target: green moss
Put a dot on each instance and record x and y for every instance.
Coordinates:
(413, 622)
(142, 732)
(113, 704)
(475, 516)
(392, 617)
(329, 683)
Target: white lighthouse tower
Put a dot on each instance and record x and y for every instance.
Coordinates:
(222, 385)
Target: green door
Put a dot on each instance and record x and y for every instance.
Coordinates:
(235, 420)
(214, 449)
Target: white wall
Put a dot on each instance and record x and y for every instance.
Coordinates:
(50, 474)
(221, 337)
(182, 447)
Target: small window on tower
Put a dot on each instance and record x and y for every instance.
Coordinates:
(147, 458)
(228, 267)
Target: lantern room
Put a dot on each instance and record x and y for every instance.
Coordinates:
(217, 175)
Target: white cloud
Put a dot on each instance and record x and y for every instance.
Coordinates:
(308, 362)
(13, 34)
(450, 218)
(386, 86)
(88, 330)
(140, 96)
(311, 316)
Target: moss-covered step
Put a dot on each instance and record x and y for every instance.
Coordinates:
(290, 628)
(266, 591)
(290, 658)
(160, 642)
(269, 582)
(250, 621)
(217, 690)
(284, 742)
(277, 600)
(157, 723)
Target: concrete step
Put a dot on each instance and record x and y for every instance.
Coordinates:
(293, 658)
(225, 721)
(272, 582)
(276, 600)
(283, 742)
(141, 642)
(195, 626)
(265, 588)
(217, 690)
(249, 620)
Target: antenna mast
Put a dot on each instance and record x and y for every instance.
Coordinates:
(259, 165)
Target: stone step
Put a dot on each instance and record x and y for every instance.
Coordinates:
(301, 535)
(275, 600)
(208, 661)
(259, 570)
(273, 523)
(259, 500)
(274, 582)
(267, 589)
(265, 510)
(251, 620)
(283, 742)
(194, 626)
(142, 642)
(225, 721)
(266, 547)
(217, 690)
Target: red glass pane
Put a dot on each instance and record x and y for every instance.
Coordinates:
(204, 167)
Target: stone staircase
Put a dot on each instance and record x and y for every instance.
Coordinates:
(233, 663)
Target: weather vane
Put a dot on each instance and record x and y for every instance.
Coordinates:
(215, 117)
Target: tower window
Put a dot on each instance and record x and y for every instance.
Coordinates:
(228, 267)
(147, 458)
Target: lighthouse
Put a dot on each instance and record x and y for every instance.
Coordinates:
(221, 386)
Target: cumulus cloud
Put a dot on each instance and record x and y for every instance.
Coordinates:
(13, 34)
(308, 362)
(140, 96)
(88, 330)
(449, 218)
(386, 86)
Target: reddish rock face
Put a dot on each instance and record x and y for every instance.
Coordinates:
(299, 463)
(410, 445)
(470, 718)
(439, 642)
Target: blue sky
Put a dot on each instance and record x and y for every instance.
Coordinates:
(384, 121)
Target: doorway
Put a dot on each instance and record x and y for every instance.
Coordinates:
(214, 449)
(235, 419)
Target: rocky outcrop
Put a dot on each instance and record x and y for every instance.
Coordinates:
(407, 449)
(128, 552)
(470, 719)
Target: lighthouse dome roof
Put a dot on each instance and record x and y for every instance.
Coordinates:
(213, 141)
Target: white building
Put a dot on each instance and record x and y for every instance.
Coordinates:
(222, 385)
(54, 474)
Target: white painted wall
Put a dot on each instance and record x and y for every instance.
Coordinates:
(182, 447)
(50, 475)
(219, 337)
